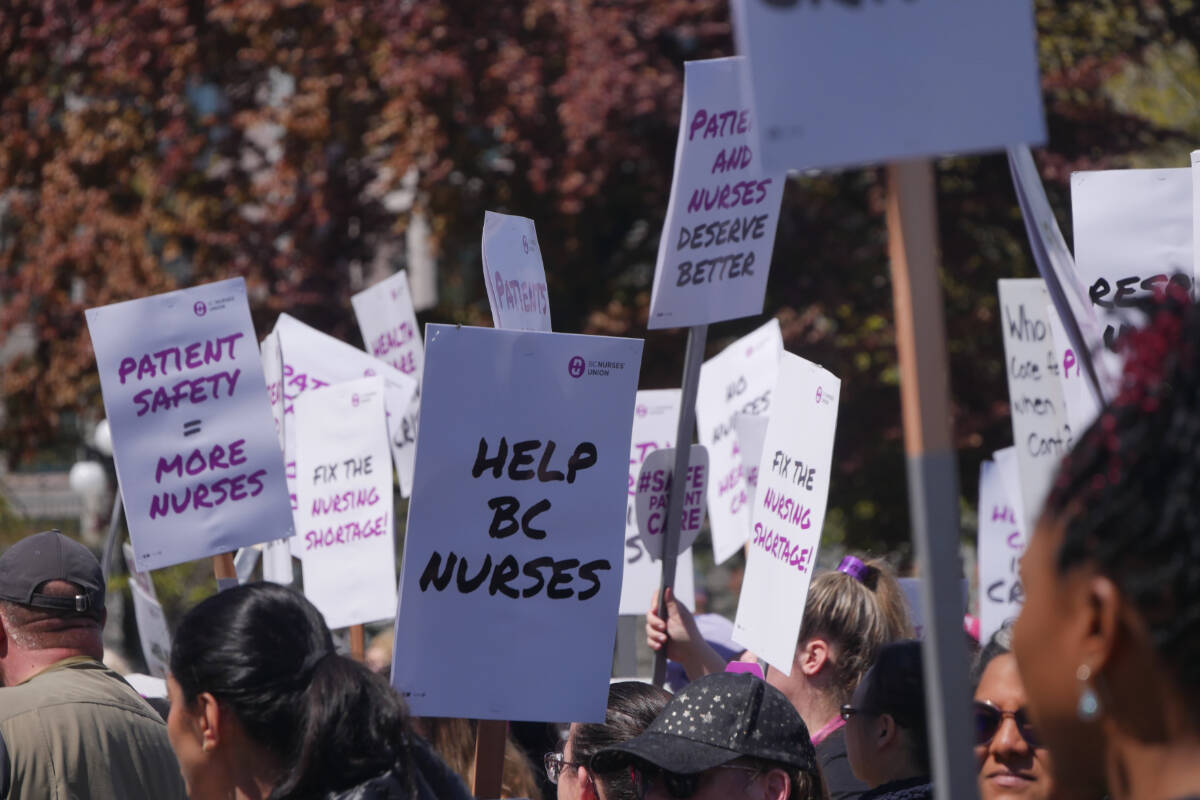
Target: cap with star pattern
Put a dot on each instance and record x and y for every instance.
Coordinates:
(714, 720)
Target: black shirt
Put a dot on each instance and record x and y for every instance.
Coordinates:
(835, 766)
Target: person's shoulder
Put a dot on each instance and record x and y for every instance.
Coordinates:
(73, 682)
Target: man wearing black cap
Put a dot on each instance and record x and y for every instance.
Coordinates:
(724, 736)
(69, 726)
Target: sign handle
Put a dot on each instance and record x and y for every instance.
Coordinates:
(932, 469)
(491, 735)
(110, 541)
(692, 359)
(224, 571)
(357, 643)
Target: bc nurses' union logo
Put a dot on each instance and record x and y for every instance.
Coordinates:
(200, 308)
(576, 366)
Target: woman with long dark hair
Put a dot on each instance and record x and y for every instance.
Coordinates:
(263, 707)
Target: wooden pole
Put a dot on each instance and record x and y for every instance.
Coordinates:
(357, 643)
(932, 469)
(224, 571)
(490, 738)
(692, 359)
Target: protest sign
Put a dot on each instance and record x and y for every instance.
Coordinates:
(1040, 430)
(1133, 234)
(389, 328)
(750, 430)
(719, 233)
(739, 380)
(513, 273)
(193, 438)
(654, 486)
(655, 415)
(842, 83)
(1195, 217)
(793, 481)
(911, 587)
(344, 525)
(1078, 397)
(513, 547)
(148, 613)
(1000, 547)
(314, 360)
(277, 556)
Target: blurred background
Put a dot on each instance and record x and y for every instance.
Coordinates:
(317, 146)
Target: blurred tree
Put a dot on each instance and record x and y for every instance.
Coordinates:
(149, 144)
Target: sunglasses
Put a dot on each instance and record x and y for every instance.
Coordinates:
(988, 719)
(555, 764)
(848, 711)
(678, 785)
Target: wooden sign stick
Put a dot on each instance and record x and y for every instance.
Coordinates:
(357, 643)
(224, 571)
(490, 738)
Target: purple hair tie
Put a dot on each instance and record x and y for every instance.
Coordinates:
(853, 567)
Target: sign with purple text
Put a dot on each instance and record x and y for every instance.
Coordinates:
(653, 495)
(1041, 433)
(513, 547)
(389, 329)
(344, 525)
(716, 244)
(513, 273)
(751, 432)
(314, 360)
(655, 418)
(739, 380)
(842, 83)
(276, 555)
(148, 614)
(789, 512)
(1078, 396)
(1133, 234)
(1000, 547)
(193, 439)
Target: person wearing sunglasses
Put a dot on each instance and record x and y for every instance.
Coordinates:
(1108, 641)
(885, 726)
(632, 706)
(726, 736)
(1012, 762)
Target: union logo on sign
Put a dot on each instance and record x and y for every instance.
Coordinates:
(200, 308)
(576, 366)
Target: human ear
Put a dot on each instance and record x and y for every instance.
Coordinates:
(587, 784)
(1102, 621)
(812, 656)
(776, 785)
(208, 718)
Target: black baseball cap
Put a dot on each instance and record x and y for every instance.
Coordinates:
(50, 556)
(714, 720)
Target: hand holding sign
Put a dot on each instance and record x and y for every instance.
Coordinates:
(653, 491)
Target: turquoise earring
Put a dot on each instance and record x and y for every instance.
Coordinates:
(1088, 708)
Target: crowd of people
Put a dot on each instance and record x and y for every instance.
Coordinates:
(1092, 693)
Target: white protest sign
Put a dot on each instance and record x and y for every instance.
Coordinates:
(719, 233)
(389, 329)
(1041, 433)
(751, 432)
(842, 83)
(513, 547)
(739, 380)
(148, 613)
(1000, 547)
(1195, 216)
(655, 418)
(1133, 233)
(1080, 400)
(513, 273)
(911, 587)
(277, 556)
(1010, 476)
(653, 493)
(193, 438)
(793, 481)
(344, 524)
(314, 360)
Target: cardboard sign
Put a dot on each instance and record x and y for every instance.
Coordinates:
(716, 244)
(1041, 433)
(842, 83)
(513, 273)
(151, 622)
(739, 380)
(655, 419)
(314, 360)
(1077, 392)
(653, 494)
(389, 328)
(513, 547)
(793, 488)
(1000, 547)
(193, 438)
(344, 524)
(1133, 233)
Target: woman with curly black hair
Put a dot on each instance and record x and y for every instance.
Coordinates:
(1109, 640)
